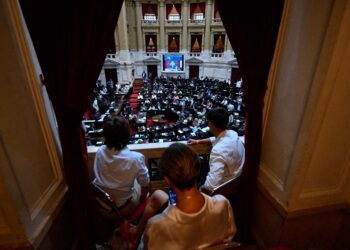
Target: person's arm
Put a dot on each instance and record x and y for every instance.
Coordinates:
(206, 141)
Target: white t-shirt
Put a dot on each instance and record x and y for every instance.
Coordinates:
(116, 171)
(174, 229)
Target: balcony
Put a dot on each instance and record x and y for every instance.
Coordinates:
(151, 54)
(216, 55)
(196, 21)
(152, 152)
(173, 22)
(149, 22)
(216, 21)
(111, 56)
(194, 54)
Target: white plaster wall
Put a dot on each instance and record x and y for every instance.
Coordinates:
(327, 170)
(29, 165)
(216, 71)
(286, 129)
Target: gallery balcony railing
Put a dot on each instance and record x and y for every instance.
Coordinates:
(194, 54)
(151, 54)
(111, 56)
(216, 55)
(152, 152)
(173, 22)
(149, 21)
(216, 21)
(197, 21)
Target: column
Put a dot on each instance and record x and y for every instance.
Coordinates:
(122, 30)
(184, 17)
(138, 26)
(161, 25)
(208, 11)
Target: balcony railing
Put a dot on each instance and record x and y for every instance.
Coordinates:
(111, 56)
(216, 55)
(151, 22)
(194, 54)
(216, 21)
(153, 54)
(173, 22)
(151, 151)
(197, 21)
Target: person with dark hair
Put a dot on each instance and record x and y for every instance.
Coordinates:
(184, 223)
(227, 155)
(123, 174)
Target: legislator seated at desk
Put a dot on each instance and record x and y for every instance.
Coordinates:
(158, 119)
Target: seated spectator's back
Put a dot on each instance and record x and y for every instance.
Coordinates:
(174, 229)
(196, 220)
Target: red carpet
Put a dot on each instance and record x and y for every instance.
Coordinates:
(133, 97)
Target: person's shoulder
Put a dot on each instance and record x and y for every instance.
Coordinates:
(158, 221)
(136, 154)
(218, 199)
(159, 218)
(231, 133)
(133, 154)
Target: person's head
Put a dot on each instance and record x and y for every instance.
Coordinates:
(116, 131)
(180, 165)
(218, 117)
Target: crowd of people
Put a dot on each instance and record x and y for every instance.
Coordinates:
(167, 109)
(179, 219)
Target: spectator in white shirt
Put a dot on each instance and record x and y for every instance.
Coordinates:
(192, 220)
(123, 174)
(227, 155)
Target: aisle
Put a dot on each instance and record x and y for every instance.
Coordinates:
(133, 97)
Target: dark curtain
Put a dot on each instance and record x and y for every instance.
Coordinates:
(193, 40)
(170, 41)
(71, 39)
(252, 28)
(170, 6)
(235, 76)
(216, 12)
(178, 8)
(151, 48)
(194, 6)
(219, 48)
(148, 8)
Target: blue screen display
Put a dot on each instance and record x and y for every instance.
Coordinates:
(173, 63)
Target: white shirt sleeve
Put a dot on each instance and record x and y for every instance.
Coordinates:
(216, 171)
(212, 140)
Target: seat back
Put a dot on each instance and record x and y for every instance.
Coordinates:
(109, 216)
(106, 204)
(228, 188)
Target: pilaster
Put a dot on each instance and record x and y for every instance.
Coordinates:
(161, 25)
(208, 12)
(184, 17)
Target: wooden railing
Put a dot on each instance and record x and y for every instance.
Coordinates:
(151, 151)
